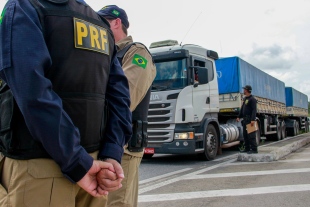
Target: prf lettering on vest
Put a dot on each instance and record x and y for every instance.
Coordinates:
(89, 36)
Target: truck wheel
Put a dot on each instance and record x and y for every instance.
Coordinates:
(283, 130)
(279, 132)
(257, 134)
(297, 128)
(211, 143)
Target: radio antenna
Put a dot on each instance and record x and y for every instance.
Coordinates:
(190, 28)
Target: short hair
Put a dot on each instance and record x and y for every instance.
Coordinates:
(123, 26)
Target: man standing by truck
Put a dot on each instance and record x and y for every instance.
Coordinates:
(248, 113)
(140, 71)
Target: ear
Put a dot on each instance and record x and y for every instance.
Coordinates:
(118, 23)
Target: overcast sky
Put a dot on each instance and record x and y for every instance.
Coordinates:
(273, 35)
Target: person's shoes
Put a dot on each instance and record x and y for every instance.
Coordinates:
(244, 151)
(252, 152)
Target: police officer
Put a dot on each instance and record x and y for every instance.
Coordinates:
(58, 70)
(140, 71)
(248, 113)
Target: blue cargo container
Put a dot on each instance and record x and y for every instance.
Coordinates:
(295, 98)
(234, 73)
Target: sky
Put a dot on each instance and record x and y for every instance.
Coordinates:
(272, 35)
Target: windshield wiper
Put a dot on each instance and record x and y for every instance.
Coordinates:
(158, 88)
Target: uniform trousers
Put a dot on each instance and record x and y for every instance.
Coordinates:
(40, 183)
(127, 195)
(249, 140)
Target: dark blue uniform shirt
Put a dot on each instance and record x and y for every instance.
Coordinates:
(24, 57)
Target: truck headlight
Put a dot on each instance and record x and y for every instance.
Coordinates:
(185, 135)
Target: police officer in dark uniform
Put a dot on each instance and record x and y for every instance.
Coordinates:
(248, 113)
(64, 103)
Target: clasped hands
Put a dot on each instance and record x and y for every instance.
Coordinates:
(102, 177)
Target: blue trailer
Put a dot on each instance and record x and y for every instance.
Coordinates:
(271, 94)
(296, 111)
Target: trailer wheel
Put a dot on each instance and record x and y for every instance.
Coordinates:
(306, 127)
(283, 130)
(258, 138)
(297, 128)
(211, 143)
(279, 132)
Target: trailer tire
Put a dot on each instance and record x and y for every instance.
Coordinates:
(297, 128)
(257, 135)
(306, 127)
(211, 143)
(283, 130)
(279, 131)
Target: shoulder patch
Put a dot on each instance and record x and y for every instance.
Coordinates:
(139, 61)
(2, 15)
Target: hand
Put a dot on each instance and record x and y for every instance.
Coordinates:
(89, 182)
(252, 123)
(238, 119)
(110, 180)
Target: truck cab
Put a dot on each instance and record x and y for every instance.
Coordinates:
(184, 105)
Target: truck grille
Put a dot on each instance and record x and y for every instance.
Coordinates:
(161, 122)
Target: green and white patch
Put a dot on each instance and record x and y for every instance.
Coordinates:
(139, 61)
(115, 12)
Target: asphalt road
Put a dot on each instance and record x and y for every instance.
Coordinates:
(182, 181)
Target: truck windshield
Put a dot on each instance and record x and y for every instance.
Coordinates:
(170, 75)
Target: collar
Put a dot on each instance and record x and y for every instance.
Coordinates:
(124, 42)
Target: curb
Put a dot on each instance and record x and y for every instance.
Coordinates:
(275, 154)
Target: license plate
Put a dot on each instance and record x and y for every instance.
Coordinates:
(149, 151)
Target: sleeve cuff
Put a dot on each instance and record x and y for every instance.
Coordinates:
(113, 151)
(79, 170)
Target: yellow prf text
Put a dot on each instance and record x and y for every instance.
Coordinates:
(89, 36)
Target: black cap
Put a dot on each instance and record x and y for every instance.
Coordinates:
(248, 88)
(114, 12)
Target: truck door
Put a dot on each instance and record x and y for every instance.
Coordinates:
(205, 96)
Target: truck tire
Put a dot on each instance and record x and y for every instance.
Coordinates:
(306, 127)
(279, 132)
(297, 128)
(211, 143)
(283, 130)
(258, 138)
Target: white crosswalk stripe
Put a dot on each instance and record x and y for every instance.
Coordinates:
(202, 174)
(222, 193)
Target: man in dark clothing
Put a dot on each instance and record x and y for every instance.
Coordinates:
(248, 113)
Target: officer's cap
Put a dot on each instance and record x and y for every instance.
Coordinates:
(114, 12)
(248, 88)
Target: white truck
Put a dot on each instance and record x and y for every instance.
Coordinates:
(196, 98)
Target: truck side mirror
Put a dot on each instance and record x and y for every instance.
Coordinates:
(200, 75)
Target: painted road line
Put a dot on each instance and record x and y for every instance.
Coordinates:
(301, 153)
(223, 193)
(163, 176)
(161, 184)
(225, 158)
(260, 163)
(250, 173)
